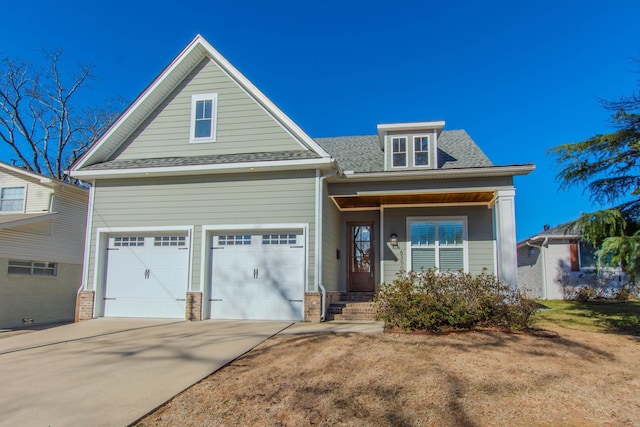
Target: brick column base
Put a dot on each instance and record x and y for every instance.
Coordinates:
(194, 306)
(312, 306)
(84, 305)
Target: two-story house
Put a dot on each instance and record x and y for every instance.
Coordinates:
(207, 201)
(42, 227)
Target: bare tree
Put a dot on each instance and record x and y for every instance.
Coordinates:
(39, 117)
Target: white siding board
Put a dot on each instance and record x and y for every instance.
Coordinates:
(243, 126)
(206, 200)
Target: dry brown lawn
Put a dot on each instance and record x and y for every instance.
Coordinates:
(568, 378)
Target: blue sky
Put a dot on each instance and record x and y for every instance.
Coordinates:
(520, 77)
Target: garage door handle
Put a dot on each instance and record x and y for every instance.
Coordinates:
(109, 299)
(296, 247)
(215, 299)
(295, 300)
(180, 299)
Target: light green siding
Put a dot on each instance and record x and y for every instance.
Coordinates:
(332, 237)
(214, 200)
(243, 126)
(480, 236)
(352, 188)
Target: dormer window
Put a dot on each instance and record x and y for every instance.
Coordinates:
(204, 109)
(420, 151)
(410, 146)
(399, 152)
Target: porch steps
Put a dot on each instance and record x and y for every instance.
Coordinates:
(352, 306)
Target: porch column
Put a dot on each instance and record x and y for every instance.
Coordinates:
(505, 222)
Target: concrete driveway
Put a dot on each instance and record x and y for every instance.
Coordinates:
(110, 372)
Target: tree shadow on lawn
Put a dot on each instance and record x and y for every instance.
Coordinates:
(613, 316)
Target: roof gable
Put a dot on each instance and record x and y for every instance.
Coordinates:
(197, 53)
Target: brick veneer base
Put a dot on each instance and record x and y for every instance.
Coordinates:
(84, 305)
(312, 307)
(194, 306)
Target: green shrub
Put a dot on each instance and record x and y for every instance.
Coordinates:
(431, 301)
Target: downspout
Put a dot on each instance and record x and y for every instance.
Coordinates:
(544, 265)
(87, 239)
(319, 219)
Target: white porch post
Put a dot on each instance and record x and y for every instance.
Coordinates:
(505, 223)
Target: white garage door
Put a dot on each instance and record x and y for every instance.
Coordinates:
(258, 276)
(146, 276)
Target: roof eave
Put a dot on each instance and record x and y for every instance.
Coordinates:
(488, 171)
(246, 167)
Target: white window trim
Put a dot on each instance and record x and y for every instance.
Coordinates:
(465, 237)
(414, 152)
(214, 122)
(406, 151)
(24, 199)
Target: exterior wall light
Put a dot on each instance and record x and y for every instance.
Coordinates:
(393, 239)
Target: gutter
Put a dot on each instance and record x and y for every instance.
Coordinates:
(544, 265)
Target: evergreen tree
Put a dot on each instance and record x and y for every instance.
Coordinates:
(608, 165)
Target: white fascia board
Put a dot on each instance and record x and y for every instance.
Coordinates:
(258, 95)
(543, 237)
(441, 173)
(200, 42)
(200, 169)
(135, 104)
(438, 124)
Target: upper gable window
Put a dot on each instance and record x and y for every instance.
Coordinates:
(12, 199)
(421, 151)
(204, 110)
(399, 152)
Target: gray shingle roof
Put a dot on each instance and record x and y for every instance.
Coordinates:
(203, 160)
(456, 150)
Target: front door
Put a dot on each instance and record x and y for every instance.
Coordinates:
(360, 275)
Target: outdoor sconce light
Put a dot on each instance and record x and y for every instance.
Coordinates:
(532, 251)
(393, 239)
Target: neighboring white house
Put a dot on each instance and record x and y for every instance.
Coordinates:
(207, 201)
(554, 263)
(42, 228)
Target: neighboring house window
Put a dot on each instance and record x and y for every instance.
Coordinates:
(421, 151)
(33, 268)
(203, 117)
(399, 158)
(12, 199)
(437, 244)
(587, 256)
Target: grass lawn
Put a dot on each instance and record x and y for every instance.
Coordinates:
(604, 316)
(576, 373)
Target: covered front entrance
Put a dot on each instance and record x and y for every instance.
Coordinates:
(360, 274)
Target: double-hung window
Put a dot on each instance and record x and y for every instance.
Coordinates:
(204, 109)
(399, 158)
(437, 243)
(12, 199)
(421, 151)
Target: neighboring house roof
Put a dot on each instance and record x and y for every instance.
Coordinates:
(16, 220)
(568, 230)
(42, 179)
(203, 160)
(456, 150)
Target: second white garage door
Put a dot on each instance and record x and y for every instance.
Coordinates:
(258, 276)
(147, 276)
